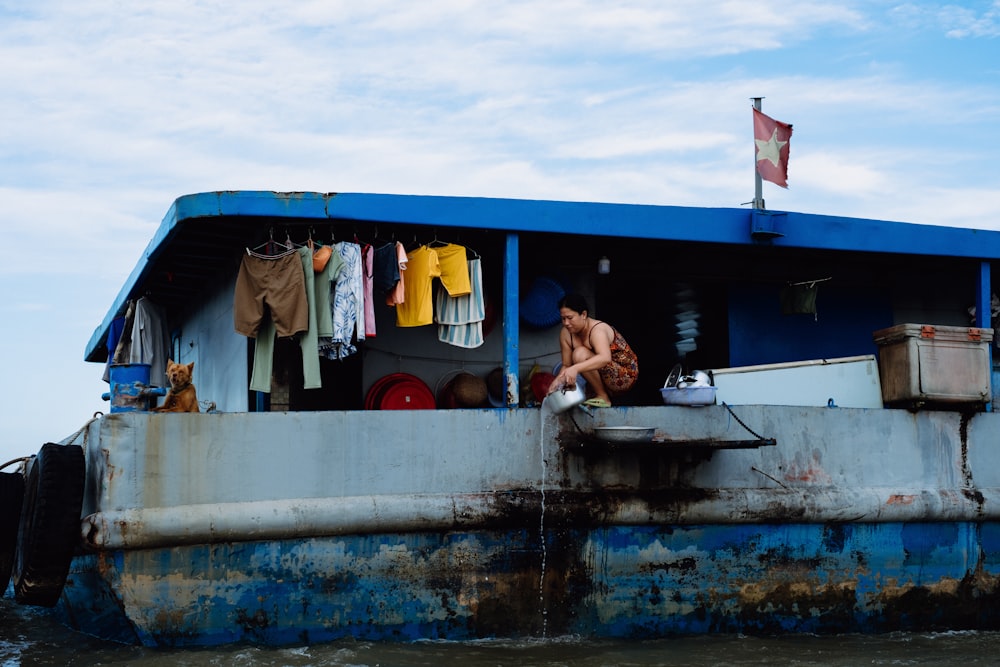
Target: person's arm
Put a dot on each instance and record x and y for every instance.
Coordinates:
(600, 342)
(566, 354)
(565, 347)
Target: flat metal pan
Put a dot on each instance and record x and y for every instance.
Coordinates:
(624, 433)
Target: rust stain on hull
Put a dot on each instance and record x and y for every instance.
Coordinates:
(563, 578)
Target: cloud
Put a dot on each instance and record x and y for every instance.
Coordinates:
(956, 22)
(111, 114)
(110, 111)
(963, 22)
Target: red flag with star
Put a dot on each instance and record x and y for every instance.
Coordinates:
(771, 138)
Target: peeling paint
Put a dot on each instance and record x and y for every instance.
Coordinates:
(624, 582)
(460, 545)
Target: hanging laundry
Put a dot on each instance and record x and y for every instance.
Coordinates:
(448, 263)
(368, 288)
(276, 282)
(397, 294)
(309, 341)
(454, 268)
(460, 318)
(263, 357)
(263, 353)
(324, 284)
(321, 255)
(114, 336)
(417, 307)
(347, 304)
(385, 267)
(799, 299)
(151, 340)
(124, 348)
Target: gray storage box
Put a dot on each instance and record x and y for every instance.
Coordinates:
(926, 363)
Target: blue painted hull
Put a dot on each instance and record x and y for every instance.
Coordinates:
(623, 581)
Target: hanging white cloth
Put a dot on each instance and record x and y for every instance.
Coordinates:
(460, 318)
(150, 340)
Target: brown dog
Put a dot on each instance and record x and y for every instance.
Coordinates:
(181, 397)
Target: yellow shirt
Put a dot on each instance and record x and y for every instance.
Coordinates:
(423, 265)
(454, 269)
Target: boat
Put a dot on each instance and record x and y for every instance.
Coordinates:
(811, 445)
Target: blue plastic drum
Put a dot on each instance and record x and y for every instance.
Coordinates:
(129, 388)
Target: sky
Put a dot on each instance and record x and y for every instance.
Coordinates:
(111, 110)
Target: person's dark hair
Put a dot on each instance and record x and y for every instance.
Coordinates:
(574, 302)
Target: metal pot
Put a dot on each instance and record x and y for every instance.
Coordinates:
(564, 399)
(702, 379)
(696, 379)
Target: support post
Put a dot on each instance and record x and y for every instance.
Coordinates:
(758, 193)
(511, 320)
(984, 314)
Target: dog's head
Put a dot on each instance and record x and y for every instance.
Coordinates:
(179, 375)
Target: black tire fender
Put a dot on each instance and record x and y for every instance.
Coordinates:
(11, 499)
(49, 531)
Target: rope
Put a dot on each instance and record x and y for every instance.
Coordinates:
(70, 439)
(573, 419)
(17, 460)
(740, 421)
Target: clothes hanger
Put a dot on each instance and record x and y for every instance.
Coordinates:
(270, 242)
(378, 242)
(468, 250)
(436, 243)
(271, 249)
(290, 243)
(810, 283)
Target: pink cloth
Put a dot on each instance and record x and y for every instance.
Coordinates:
(398, 293)
(368, 280)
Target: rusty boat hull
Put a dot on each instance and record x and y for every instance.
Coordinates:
(582, 538)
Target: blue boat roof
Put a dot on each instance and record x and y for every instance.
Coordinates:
(201, 226)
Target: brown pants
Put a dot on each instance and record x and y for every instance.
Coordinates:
(277, 282)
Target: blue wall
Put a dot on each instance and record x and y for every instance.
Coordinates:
(759, 333)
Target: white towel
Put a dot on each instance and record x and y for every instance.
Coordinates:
(460, 318)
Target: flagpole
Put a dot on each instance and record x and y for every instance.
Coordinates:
(758, 193)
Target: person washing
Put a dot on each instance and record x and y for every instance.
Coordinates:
(595, 350)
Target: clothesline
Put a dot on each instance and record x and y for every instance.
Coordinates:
(810, 282)
(353, 234)
(330, 306)
(451, 361)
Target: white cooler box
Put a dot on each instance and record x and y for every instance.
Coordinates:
(848, 382)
